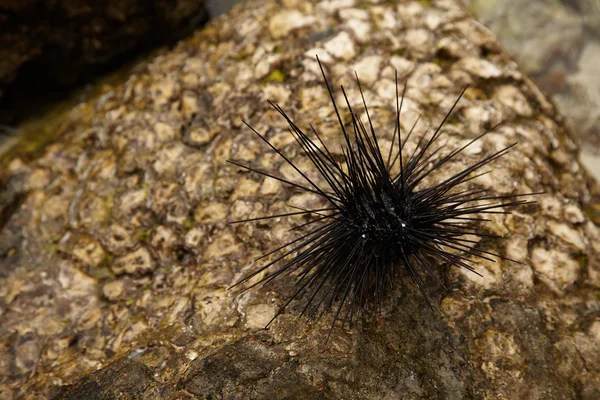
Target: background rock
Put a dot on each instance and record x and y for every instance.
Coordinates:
(46, 45)
(558, 43)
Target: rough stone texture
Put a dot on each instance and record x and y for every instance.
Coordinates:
(61, 40)
(116, 255)
(121, 379)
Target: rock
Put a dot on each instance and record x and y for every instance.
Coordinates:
(82, 247)
(137, 262)
(257, 317)
(117, 256)
(113, 290)
(556, 269)
(573, 214)
(341, 46)
(283, 23)
(558, 43)
(58, 42)
(122, 379)
(590, 9)
(225, 373)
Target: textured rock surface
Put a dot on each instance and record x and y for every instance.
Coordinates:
(116, 255)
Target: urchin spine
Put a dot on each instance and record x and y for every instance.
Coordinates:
(376, 221)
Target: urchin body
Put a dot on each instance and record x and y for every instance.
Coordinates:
(381, 217)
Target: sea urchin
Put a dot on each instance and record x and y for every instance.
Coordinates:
(380, 218)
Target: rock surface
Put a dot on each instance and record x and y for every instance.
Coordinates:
(116, 255)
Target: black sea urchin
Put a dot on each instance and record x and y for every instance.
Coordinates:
(377, 222)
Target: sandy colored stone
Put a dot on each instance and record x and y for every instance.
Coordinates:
(270, 187)
(257, 317)
(556, 269)
(133, 199)
(211, 213)
(285, 22)
(83, 247)
(341, 46)
(113, 290)
(479, 67)
(39, 178)
(566, 233)
(515, 101)
(137, 262)
(118, 238)
(193, 237)
(573, 214)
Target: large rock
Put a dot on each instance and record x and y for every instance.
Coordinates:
(557, 42)
(116, 254)
(52, 43)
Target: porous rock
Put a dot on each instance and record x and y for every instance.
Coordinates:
(152, 317)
